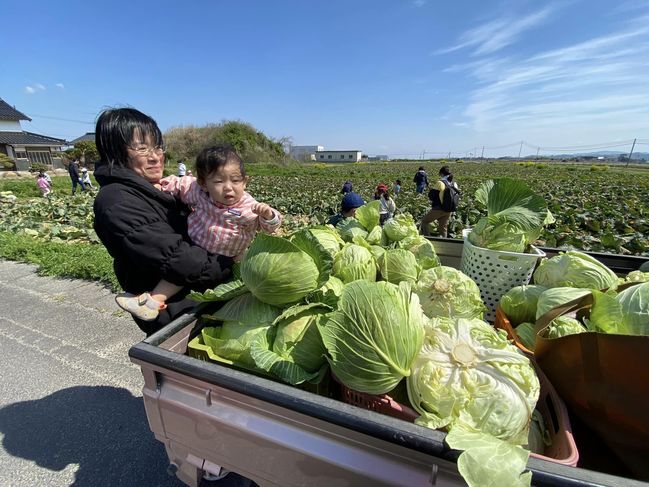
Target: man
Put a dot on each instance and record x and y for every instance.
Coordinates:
(350, 202)
(73, 170)
(420, 179)
(182, 169)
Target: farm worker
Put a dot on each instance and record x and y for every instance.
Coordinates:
(396, 189)
(387, 207)
(182, 169)
(420, 179)
(43, 184)
(143, 228)
(85, 178)
(224, 221)
(73, 170)
(350, 202)
(347, 187)
(441, 210)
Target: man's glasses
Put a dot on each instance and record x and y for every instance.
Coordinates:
(147, 151)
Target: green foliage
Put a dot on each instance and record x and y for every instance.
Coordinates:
(252, 145)
(79, 261)
(6, 161)
(599, 167)
(86, 150)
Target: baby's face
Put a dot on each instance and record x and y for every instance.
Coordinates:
(226, 185)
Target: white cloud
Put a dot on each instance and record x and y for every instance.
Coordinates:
(33, 88)
(419, 3)
(61, 86)
(498, 33)
(597, 83)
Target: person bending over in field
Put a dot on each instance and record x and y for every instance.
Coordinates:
(224, 221)
(387, 207)
(350, 202)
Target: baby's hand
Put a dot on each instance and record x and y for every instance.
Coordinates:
(263, 210)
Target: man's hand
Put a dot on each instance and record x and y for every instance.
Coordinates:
(263, 210)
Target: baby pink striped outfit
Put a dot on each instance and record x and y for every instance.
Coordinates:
(219, 229)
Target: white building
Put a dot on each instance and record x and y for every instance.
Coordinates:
(305, 152)
(26, 148)
(338, 156)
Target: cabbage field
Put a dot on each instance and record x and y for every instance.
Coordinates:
(597, 207)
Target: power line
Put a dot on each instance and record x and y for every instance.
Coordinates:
(63, 119)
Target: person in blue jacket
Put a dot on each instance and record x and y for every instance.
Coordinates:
(350, 202)
(73, 170)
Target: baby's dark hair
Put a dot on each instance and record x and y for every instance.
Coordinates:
(211, 159)
(446, 171)
(399, 182)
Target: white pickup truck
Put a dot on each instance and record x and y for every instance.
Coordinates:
(211, 416)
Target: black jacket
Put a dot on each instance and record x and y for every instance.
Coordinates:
(145, 231)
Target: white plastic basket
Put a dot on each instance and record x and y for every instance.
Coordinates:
(496, 271)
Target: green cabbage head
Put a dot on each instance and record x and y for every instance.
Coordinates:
(526, 335)
(350, 228)
(563, 326)
(328, 238)
(354, 262)
(624, 314)
(374, 335)
(445, 291)
(519, 303)
(279, 271)
(297, 354)
(423, 250)
(400, 227)
(398, 265)
(574, 269)
(468, 375)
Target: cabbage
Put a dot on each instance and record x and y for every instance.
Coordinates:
(328, 238)
(563, 326)
(445, 291)
(515, 216)
(375, 236)
(519, 303)
(297, 354)
(625, 314)
(423, 250)
(354, 262)
(374, 335)
(574, 269)
(329, 292)
(350, 228)
(279, 272)
(468, 375)
(637, 276)
(400, 227)
(398, 265)
(553, 297)
(644, 267)
(539, 437)
(368, 215)
(526, 335)
(245, 320)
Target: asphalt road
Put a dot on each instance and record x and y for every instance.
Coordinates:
(71, 411)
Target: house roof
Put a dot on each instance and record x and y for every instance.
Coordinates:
(87, 136)
(28, 138)
(7, 112)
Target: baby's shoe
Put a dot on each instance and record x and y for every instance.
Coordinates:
(143, 306)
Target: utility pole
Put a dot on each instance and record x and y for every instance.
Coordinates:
(630, 153)
(520, 150)
(482, 154)
(449, 155)
(423, 155)
(537, 152)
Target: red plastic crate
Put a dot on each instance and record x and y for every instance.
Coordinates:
(383, 404)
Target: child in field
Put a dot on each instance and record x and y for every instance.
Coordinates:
(396, 189)
(387, 207)
(85, 179)
(43, 184)
(224, 221)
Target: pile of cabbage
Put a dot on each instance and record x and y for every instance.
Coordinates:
(515, 216)
(620, 305)
(374, 306)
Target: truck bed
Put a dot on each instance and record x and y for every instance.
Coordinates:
(210, 416)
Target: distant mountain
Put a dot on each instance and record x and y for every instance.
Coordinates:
(607, 154)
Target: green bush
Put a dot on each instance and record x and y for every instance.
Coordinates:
(599, 167)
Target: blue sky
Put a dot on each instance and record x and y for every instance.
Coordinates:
(385, 77)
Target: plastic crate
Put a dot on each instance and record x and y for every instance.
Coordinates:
(563, 449)
(496, 271)
(503, 323)
(382, 403)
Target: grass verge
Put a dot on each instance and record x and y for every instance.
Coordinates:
(80, 261)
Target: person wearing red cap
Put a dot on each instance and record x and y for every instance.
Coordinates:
(387, 206)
